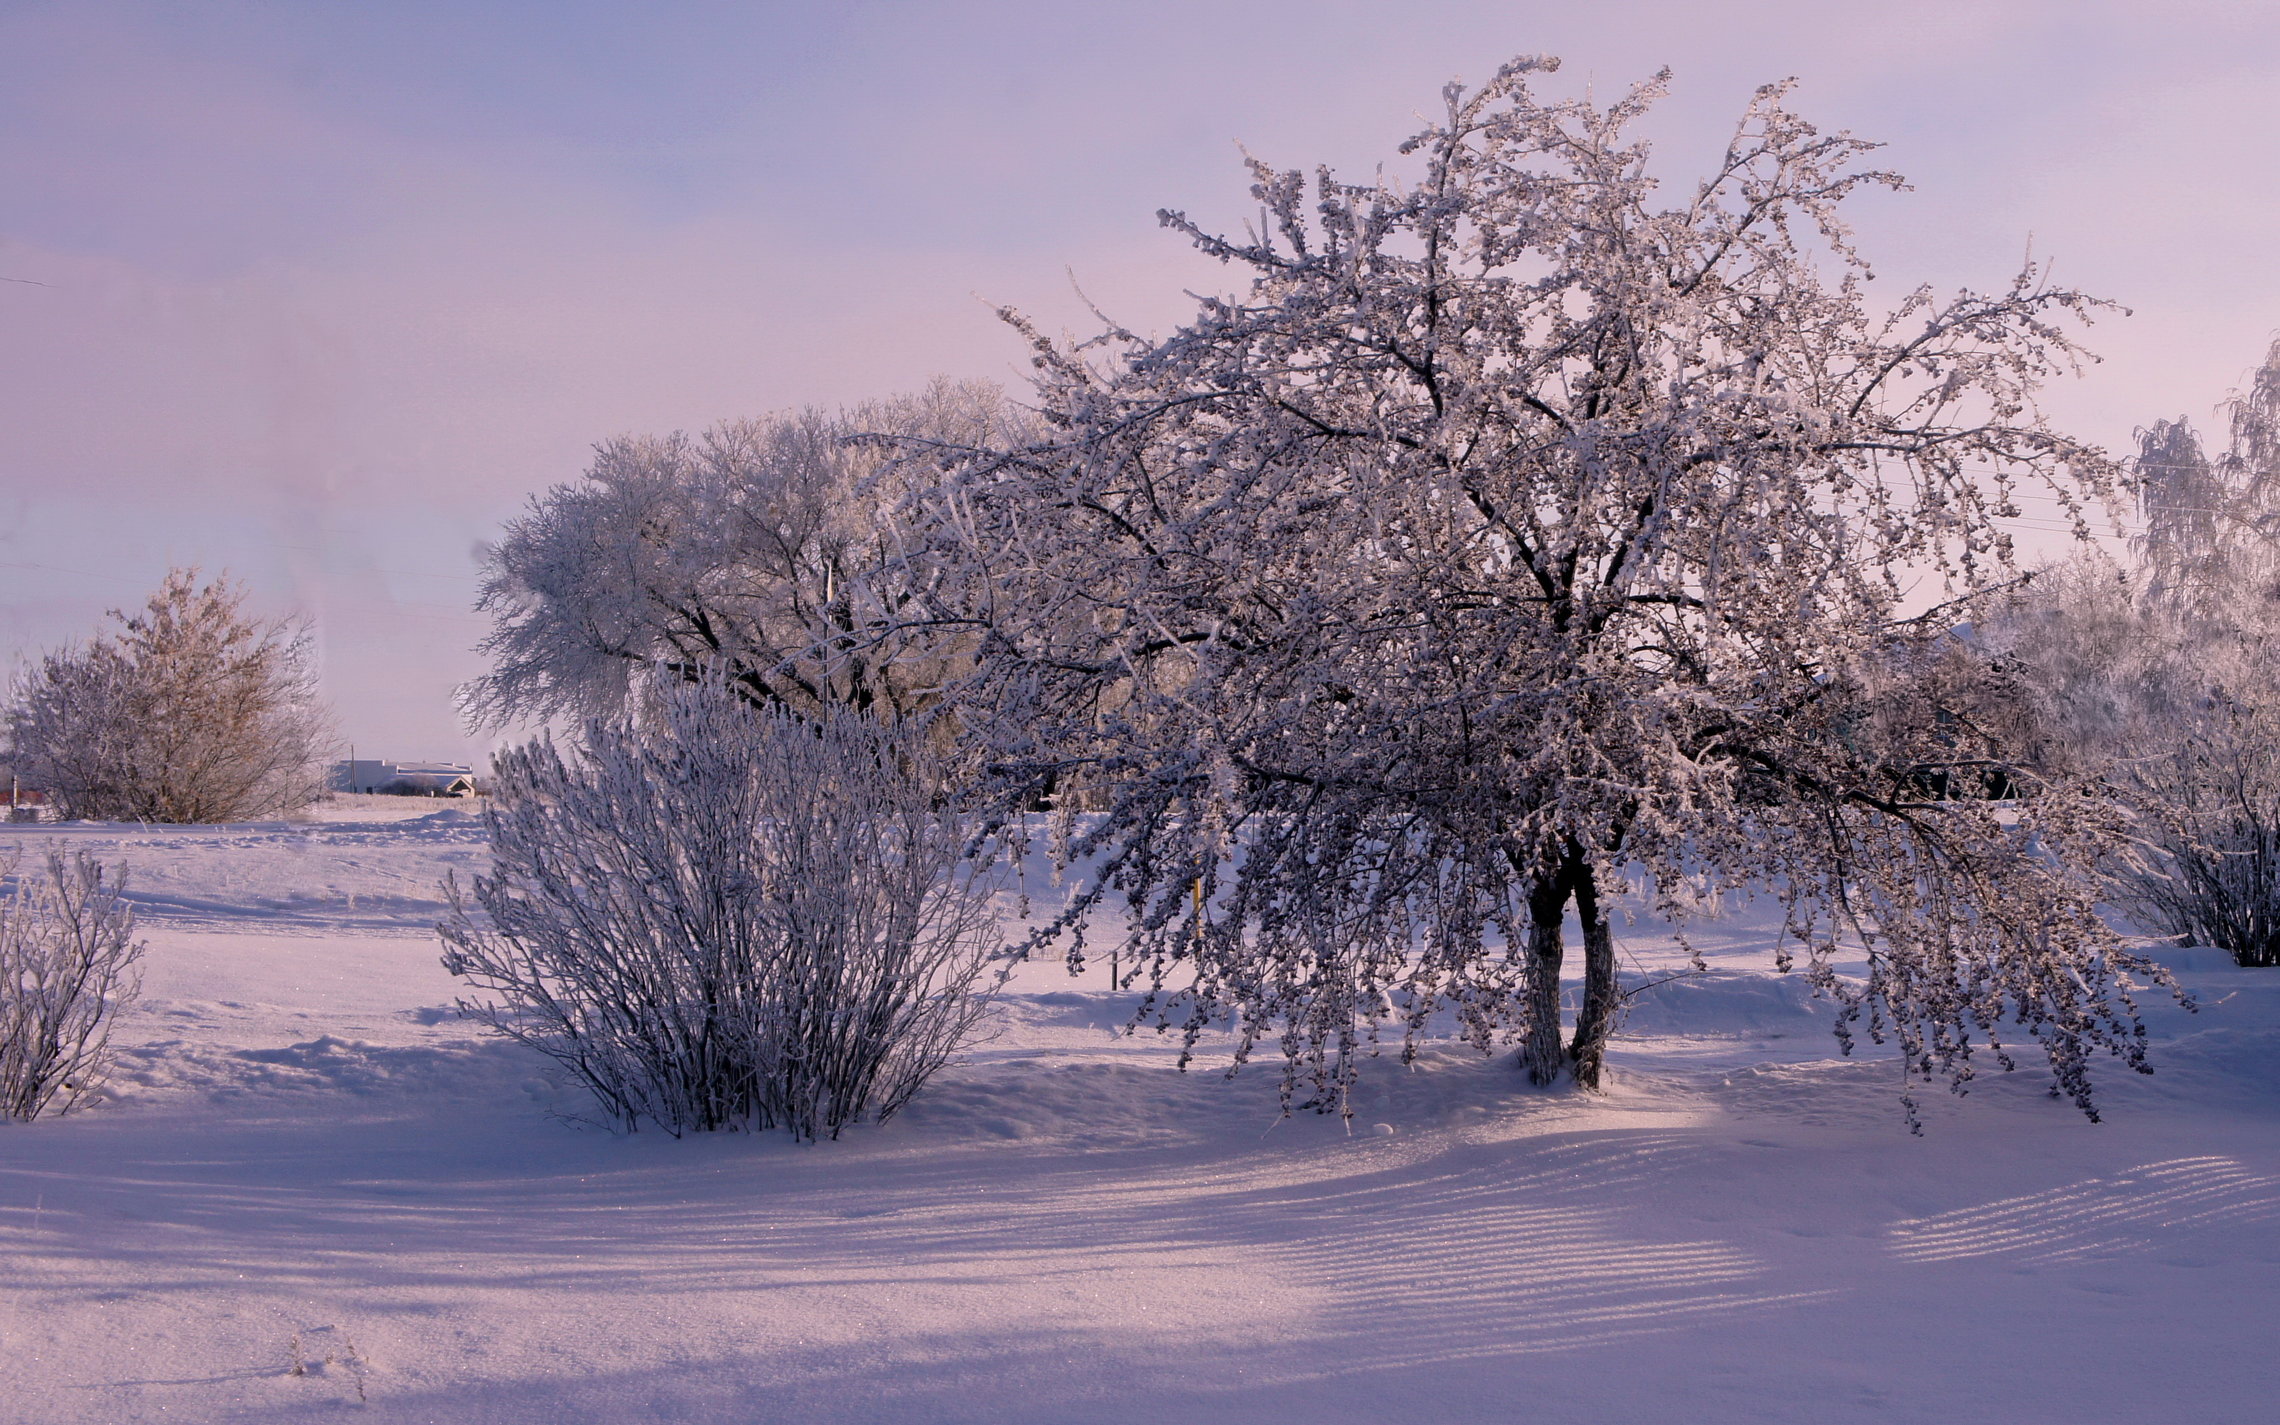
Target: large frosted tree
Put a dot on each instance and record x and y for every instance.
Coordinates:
(749, 552)
(1513, 527)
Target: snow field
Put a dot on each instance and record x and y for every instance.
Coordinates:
(309, 1162)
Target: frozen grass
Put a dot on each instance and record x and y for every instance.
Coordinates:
(309, 1160)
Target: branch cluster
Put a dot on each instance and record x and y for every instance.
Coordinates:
(743, 553)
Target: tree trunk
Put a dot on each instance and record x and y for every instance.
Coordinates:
(1542, 1053)
(1597, 1016)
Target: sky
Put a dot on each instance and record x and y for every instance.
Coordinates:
(322, 294)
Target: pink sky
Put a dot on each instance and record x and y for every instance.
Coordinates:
(320, 294)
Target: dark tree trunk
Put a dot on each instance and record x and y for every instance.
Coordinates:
(1545, 1056)
(1597, 1016)
(1542, 1053)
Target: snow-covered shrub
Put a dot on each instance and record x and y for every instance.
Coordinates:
(192, 710)
(67, 966)
(2213, 811)
(2175, 711)
(729, 917)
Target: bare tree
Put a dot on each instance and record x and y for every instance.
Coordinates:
(192, 710)
(1510, 531)
(67, 967)
(750, 552)
(730, 916)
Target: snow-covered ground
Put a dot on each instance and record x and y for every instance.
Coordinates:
(310, 1160)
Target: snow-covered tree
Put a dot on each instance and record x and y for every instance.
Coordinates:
(192, 710)
(729, 916)
(744, 552)
(2160, 676)
(1515, 528)
(2211, 539)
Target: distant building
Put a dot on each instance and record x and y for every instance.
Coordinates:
(405, 779)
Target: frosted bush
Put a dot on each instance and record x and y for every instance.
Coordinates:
(729, 917)
(191, 710)
(67, 965)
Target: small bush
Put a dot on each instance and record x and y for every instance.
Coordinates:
(68, 961)
(191, 710)
(729, 917)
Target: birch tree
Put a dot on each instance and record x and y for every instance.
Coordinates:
(1508, 529)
